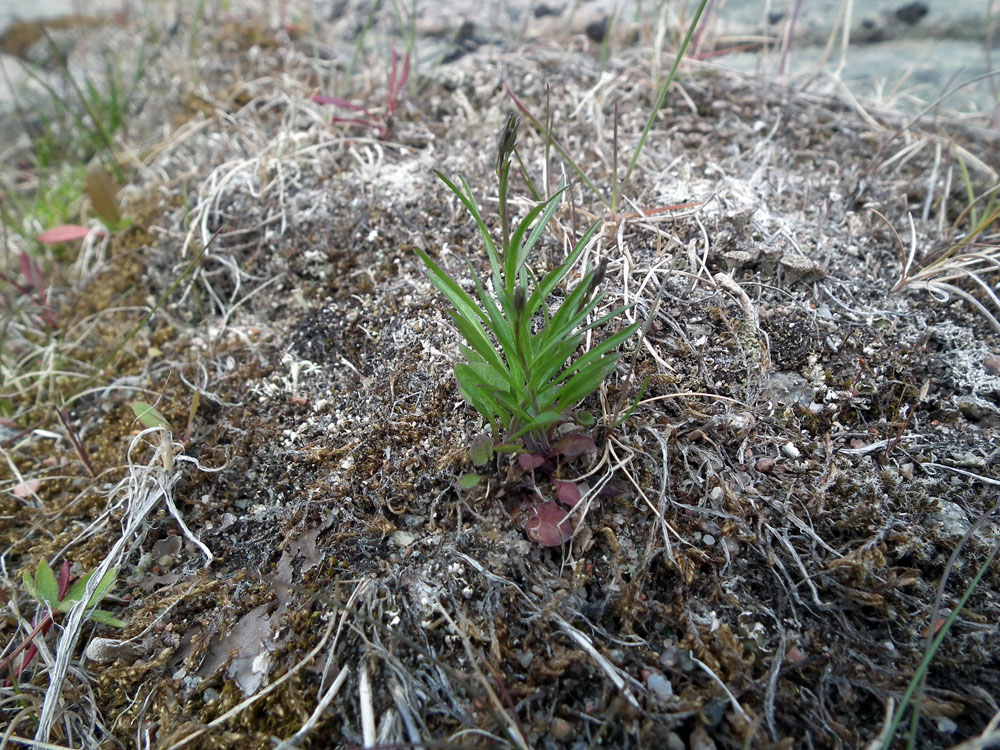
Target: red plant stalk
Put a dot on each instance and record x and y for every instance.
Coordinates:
(397, 79)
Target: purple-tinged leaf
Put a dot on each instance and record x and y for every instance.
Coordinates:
(529, 461)
(574, 445)
(549, 525)
(30, 271)
(613, 488)
(568, 493)
(63, 233)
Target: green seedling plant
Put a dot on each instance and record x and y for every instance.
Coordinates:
(57, 597)
(521, 380)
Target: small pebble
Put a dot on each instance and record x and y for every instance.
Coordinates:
(992, 364)
(764, 465)
(946, 725)
(402, 538)
(562, 730)
(659, 687)
(790, 450)
(708, 539)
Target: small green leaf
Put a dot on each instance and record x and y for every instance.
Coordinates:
(78, 589)
(75, 593)
(29, 585)
(45, 584)
(103, 587)
(584, 418)
(468, 481)
(149, 416)
(481, 450)
(106, 618)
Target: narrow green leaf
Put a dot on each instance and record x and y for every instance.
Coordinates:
(75, 593)
(518, 252)
(582, 384)
(148, 415)
(491, 248)
(480, 344)
(45, 584)
(468, 481)
(29, 585)
(103, 587)
(450, 289)
(106, 618)
(488, 376)
(482, 400)
(502, 330)
(598, 351)
(538, 424)
(470, 206)
(551, 280)
(550, 208)
(635, 402)
(546, 368)
(558, 147)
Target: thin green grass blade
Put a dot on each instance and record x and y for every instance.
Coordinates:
(517, 253)
(496, 262)
(474, 391)
(473, 209)
(538, 424)
(458, 297)
(635, 402)
(558, 146)
(582, 385)
(546, 368)
(535, 195)
(502, 330)
(478, 341)
(522, 250)
(488, 375)
(551, 280)
(594, 354)
(663, 95)
(925, 663)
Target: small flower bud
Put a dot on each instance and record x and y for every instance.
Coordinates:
(602, 268)
(508, 140)
(519, 300)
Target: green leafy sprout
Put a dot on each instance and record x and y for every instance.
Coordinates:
(522, 380)
(44, 588)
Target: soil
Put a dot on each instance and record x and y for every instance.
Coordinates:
(801, 495)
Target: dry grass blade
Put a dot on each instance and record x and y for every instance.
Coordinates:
(938, 277)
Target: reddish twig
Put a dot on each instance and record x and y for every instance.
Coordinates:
(75, 441)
